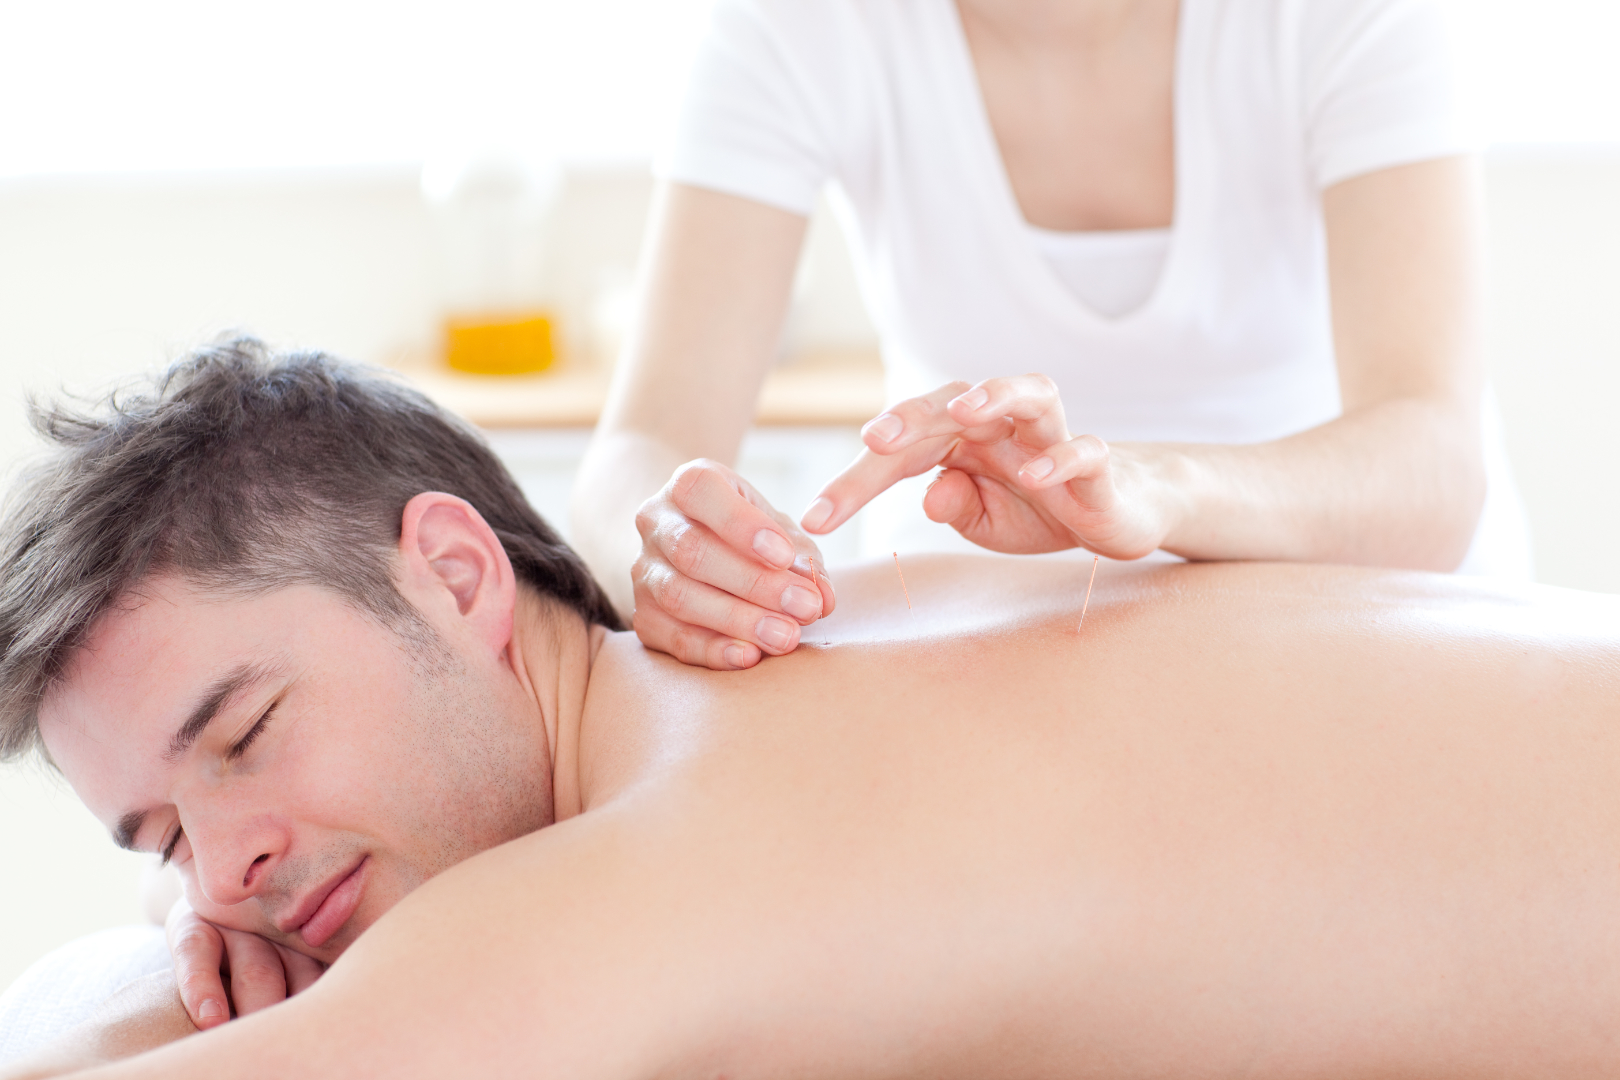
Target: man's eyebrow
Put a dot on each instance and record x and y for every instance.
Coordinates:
(208, 707)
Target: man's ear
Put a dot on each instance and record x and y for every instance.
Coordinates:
(455, 565)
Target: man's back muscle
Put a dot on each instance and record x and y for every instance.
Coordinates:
(1238, 796)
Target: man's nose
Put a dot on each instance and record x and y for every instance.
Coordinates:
(233, 858)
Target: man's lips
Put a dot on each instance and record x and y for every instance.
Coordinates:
(327, 907)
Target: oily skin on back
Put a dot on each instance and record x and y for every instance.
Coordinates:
(1268, 821)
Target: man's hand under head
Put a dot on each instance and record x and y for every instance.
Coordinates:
(723, 577)
(1014, 480)
(261, 972)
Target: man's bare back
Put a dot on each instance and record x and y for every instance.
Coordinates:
(1277, 821)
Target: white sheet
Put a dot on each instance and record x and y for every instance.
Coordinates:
(64, 987)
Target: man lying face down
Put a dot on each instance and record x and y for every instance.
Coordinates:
(288, 625)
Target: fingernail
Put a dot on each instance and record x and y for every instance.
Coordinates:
(975, 398)
(818, 514)
(772, 548)
(885, 428)
(774, 633)
(739, 656)
(211, 1010)
(1040, 468)
(802, 604)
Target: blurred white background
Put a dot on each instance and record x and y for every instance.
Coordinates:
(172, 168)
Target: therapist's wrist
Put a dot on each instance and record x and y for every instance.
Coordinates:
(620, 471)
(1160, 484)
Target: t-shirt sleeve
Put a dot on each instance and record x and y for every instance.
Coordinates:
(1380, 87)
(753, 122)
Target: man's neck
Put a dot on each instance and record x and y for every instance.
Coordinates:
(552, 653)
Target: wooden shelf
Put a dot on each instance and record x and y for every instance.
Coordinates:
(832, 389)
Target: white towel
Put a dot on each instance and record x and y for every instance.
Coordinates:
(65, 987)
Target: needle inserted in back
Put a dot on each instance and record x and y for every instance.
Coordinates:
(903, 582)
(1089, 584)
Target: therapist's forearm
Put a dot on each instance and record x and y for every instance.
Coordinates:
(1399, 479)
(715, 289)
(1399, 484)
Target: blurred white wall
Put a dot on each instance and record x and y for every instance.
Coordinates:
(1554, 342)
(110, 86)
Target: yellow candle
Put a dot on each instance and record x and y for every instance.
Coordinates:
(500, 345)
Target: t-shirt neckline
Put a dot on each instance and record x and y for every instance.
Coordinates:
(1011, 225)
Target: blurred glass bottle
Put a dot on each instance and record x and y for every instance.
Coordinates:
(491, 213)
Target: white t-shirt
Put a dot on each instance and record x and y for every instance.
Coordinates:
(1112, 273)
(1275, 100)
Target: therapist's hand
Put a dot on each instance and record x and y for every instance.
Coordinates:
(261, 971)
(1014, 479)
(723, 578)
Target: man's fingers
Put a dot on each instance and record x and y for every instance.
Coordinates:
(258, 978)
(1032, 402)
(302, 971)
(198, 949)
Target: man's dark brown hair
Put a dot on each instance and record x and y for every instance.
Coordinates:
(243, 472)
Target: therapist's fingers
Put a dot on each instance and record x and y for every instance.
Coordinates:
(915, 419)
(1082, 458)
(953, 498)
(808, 564)
(695, 645)
(993, 514)
(711, 526)
(258, 977)
(697, 556)
(867, 477)
(686, 618)
(1026, 406)
(713, 495)
(198, 949)
(1098, 497)
(1031, 402)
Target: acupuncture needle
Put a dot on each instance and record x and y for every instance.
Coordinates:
(1089, 584)
(903, 582)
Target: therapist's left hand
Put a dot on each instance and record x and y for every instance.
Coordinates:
(1014, 479)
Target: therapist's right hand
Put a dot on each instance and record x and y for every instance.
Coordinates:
(723, 578)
